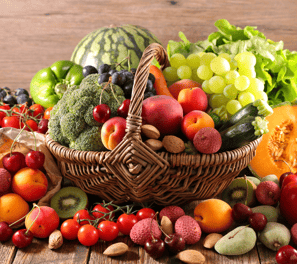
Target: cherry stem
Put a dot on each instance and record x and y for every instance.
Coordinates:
(34, 206)
(16, 140)
(286, 164)
(113, 93)
(153, 239)
(163, 231)
(21, 218)
(33, 136)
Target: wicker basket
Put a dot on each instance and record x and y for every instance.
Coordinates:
(134, 172)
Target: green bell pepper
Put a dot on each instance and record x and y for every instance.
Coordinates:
(49, 84)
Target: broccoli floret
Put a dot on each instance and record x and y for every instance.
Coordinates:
(89, 118)
(89, 139)
(54, 129)
(81, 106)
(72, 126)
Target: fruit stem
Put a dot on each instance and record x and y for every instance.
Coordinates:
(114, 94)
(286, 164)
(16, 140)
(153, 239)
(34, 206)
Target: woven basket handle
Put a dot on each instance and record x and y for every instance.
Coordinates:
(134, 120)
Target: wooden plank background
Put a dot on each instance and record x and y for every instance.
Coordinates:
(36, 33)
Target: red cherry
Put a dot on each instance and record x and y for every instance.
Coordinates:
(101, 113)
(35, 159)
(241, 212)
(175, 242)
(5, 231)
(43, 126)
(124, 108)
(258, 221)
(14, 162)
(22, 238)
(155, 247)
(286, 255)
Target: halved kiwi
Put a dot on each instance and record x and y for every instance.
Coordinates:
(240, 191)
(68, 201)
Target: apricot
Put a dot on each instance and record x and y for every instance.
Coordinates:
(30, 184)
(213, 216)
(12, 208)
(178, 86)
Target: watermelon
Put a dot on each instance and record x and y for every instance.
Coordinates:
(112, 45)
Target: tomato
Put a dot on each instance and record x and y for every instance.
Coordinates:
(88, 235)
(125, 223)
(19, 109)
(100, 209)
(108, 230)
(3, 114)
(47, 112)
(31, 124)
(37, 110)
(69, 229)
(145, 213)
(83, 215)
(10, 121)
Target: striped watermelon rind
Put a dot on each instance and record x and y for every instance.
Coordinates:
(112, 45)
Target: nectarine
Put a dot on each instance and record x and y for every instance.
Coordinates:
(178, 86)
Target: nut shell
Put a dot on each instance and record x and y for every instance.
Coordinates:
(173, 144)
(150, 131)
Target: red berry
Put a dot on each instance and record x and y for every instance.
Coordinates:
(43, 126)
(124, 108)
(155, 247)
(258, 221)
(101, 113)
(14, 162)
(35, 159)
(5, 232)
(286, 255)
(241, 212)
(175, 242)
(22, 238)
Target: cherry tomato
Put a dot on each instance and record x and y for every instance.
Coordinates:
(19, 109)
(81, 215)
(47, 112)
(69, 229)
(31, 124)
(100, 210)
(3, 114)
(10, 121)
(37, 110)
(88, 235)
(108, 230)
(125, 223)
(145, 213)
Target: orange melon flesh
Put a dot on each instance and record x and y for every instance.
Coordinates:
(277, 145)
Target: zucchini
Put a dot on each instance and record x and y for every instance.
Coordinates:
(243, 132)
(257, 108)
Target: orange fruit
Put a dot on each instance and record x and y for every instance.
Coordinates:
(213, 215)
(12, 208)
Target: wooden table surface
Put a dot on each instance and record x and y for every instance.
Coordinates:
(36, 33)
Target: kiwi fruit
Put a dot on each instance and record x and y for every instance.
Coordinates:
(240, 190)
(68, 200)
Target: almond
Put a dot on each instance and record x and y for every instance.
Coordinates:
(150, 131)
(166, 225)
(55, 239)
(191, 256)
(154, 144)
(211, 239)
(116, 249)
(173, 144)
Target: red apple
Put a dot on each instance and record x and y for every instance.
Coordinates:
(289, 178)
(288, 203)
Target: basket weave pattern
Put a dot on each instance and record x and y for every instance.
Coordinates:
(134, 172)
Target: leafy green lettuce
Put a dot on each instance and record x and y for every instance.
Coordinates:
(276, 66)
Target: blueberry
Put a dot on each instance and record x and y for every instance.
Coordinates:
(150, 87)
(89, 69)
(104, 77)
(118, 78)
(22, 99)
(103, 68)
(127, 88)
(10, 100)
(20, 91)
(129, 76)
(3, 93)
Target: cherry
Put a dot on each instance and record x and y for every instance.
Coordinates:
(258, 221)
(22, 238)
(241, 212)
(14, 161)
(124, 108)
(42, 126)
(101, 113)
(175, 242)
(155, 247)
(286, 255)
(5, 231)
(35, 159)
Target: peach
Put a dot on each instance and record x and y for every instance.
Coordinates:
(113, 131)
(194, 121)
(213, 216)
(12, 208)
(30, 184)
(45, 219)
(163, 112)
(193, 99)
(178, 86)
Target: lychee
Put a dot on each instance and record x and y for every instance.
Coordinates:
(188, 228)
(268, 193)
(207, 140)
(173, 212)
(144, 229)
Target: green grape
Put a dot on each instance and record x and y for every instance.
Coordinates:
(184, 72)
(217, 84)
(204, 72)
(217, 100)
(241, 83)
(220, 66)
(246, 58)
(193, 60)
(205, 87)
(248, 72)
(201, 53)
(230, 76)
(233, 106)
(245, 98)
(233, 65)
(230, 91)
(260, 95)
(195, 77)
(207, 58)
(177, 60)
(170, 74)
(255, 85)
(226, 56)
